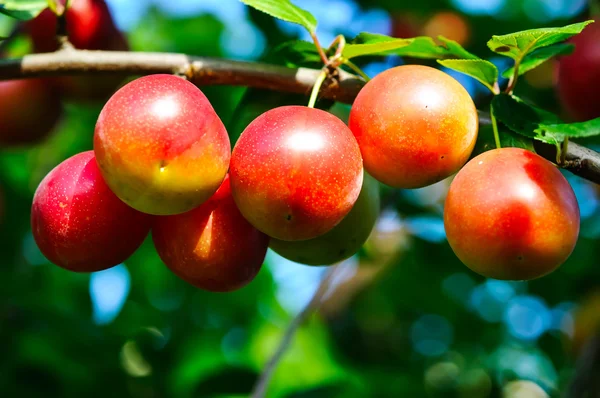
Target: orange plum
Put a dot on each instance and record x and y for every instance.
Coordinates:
(415, 126)
(510, 214)
(296, 172)
(160, 145)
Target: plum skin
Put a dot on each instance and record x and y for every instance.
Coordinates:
(212, 247)
(415, 126)
(160, 145)
(296, 172)
(344, 240)
(510, 214)
(77, 221)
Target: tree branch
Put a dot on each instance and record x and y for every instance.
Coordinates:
(199, 70)
(260, 388)
(581, 161)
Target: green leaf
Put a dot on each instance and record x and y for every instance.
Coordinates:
(525, 119)
(426, 47)
(373, 44)
(589, 128)
(483, 71)
(22, 9)
(286, 11)
(538, 57)
(456, 49)
(296, 53)
(518, 45)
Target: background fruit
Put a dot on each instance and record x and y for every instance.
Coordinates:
(79, 224)
(415, 126)
(28, 111)
(90, 27)
(449, 24)
(344, 240)
(212, 247)
(579, 75)
(510, 214)
(160, 145)
(296, 172)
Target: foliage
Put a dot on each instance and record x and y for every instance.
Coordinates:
(407, 318)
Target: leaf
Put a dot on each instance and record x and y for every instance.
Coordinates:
(518, 45)
(525, 119)
(481, 70)
(538, 57)
(22, 9)
(373, 44)
(426, 47)
(589, 128)
(286, 11)
(296, 53)
(456, 49)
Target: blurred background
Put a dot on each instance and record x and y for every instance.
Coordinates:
(404, 319)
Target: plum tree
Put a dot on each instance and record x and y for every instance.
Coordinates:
(296, 172)
(212, 247)
(90, 27)
(78, 223)
(344, 240)
(578, 75)
(415, 126)
(160, 145)
(510, 214)
(28, 111)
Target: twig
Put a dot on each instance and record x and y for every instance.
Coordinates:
(260, 388)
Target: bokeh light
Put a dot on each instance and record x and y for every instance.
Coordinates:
(431, 335)
(108, 291)
(527, 317)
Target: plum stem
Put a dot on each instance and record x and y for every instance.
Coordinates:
(356, 69)
(495, 127)
(315, 90)
(562, 151)
(62, 33)
(260, 388)
(322, 54)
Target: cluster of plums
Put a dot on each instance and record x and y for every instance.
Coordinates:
(162, 161)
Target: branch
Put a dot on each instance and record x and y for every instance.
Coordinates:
(260, 388)
(199, 70)
(344, 87)
(580, 160)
